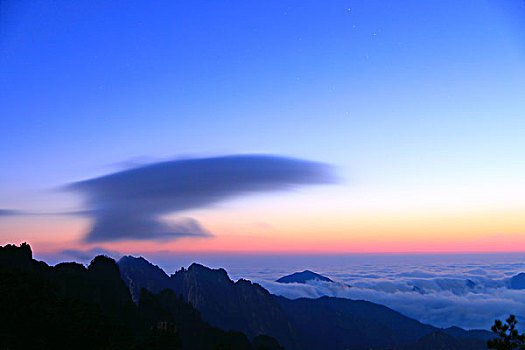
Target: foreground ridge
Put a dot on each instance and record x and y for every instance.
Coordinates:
(70, 306)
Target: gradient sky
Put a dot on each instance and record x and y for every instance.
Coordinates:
(418, 105)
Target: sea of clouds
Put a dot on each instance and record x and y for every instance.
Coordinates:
(469, 291)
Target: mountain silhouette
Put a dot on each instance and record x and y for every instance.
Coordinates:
(300, 324)
(107, 306)
(69, 306)
(518, 281)
(303, 277)
(139, 273)
(442, 341)
(241, 306)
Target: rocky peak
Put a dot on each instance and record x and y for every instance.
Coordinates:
(11, 255)
(303, 277)
(104, 268)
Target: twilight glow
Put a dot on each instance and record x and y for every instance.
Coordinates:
(318, 128)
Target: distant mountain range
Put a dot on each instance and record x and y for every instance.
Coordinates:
(303, 277)
(324, 323)
(136, 305)
(443, 341)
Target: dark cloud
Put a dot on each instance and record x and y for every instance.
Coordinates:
(129, 204)
(10, 212)
(13, 212)
(121, 225)
(88, 255)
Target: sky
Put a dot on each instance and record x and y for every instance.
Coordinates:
(378, 126)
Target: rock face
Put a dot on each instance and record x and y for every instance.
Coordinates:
(518, 281)
(240, 306)
(303, 277)
(139, 273)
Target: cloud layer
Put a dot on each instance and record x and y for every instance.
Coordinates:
(472, 310)
(469, 291)
(10, 212)
(87, 255)
(129, 204)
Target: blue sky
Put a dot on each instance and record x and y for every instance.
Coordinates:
(398, 96)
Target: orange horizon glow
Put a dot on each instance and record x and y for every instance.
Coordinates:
(291, 233)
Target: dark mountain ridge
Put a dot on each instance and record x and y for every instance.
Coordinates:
(70, 306)
(145, 275)
(242, 306)
(441, 340)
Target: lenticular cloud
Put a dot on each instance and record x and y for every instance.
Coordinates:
(129, 204)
